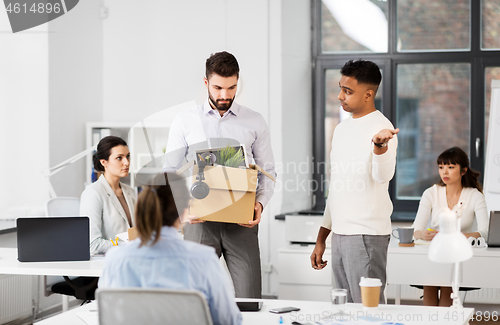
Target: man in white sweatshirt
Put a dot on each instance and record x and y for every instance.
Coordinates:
(358, 208)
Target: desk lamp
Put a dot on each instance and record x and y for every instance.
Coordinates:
(51, 171)
(450, 246)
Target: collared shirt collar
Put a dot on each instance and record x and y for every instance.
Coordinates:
(234, 109)
(169, 232)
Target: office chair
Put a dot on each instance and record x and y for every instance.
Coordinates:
(152, 306)
(63, 207)
(80, 287)
(462, 289)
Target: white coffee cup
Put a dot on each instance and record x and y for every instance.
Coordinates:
(370, 291)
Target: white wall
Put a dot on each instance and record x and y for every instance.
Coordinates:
(297, 104)
(290, 124)
(155, 59)
(76, 88)
(51, 85)
(62, 91)
(24, 120)
(24, 114)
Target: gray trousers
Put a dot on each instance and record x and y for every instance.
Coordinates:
(240, 247)
(354, 256)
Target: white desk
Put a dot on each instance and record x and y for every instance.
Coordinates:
(298, 280)
(10, 265)
(411, 265)
(311, 311)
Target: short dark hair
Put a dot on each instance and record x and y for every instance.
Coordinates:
(104, 150)
(456, 156)
(223, 64)
(160, 204)
(365, 72)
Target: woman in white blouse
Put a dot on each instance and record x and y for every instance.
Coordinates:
(460, 191)
(108, 202)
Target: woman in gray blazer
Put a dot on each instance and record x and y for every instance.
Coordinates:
(109, 203)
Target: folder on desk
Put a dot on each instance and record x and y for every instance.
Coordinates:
(51, 239)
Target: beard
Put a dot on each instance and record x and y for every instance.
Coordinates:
(221, 106)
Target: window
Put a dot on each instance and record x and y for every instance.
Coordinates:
(437, 57)
(429, 25)
(490, 25)
(342, 32)
(432, 112)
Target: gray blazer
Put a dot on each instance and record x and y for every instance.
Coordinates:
(107, 217)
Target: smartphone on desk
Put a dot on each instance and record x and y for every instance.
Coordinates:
(283, 310)
(249, 305)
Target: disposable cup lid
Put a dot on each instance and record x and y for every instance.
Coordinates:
(370, 282)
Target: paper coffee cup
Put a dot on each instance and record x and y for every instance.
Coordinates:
(370, 291)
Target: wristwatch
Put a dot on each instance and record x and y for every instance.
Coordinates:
(380, 145)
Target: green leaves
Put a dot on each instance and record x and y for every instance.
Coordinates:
(229, 157)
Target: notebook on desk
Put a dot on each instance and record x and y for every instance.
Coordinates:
(494, 229)
(51, 239)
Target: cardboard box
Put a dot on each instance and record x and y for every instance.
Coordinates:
(232, 193)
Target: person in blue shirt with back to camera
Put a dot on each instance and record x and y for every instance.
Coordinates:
(160, 258)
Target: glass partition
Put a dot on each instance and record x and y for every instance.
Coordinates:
(433, 114)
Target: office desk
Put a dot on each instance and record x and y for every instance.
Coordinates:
(10, 265)
(311, 311)
(411, 265)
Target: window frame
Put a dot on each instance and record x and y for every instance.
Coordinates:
(477, 58)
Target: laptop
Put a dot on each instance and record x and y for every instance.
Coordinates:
(51, 239)
(494, 229)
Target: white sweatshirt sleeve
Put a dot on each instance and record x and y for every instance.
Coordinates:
(327, 219)
(384, 165)
(424, 210)
(481, 213)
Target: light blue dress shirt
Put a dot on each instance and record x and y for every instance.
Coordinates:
(176, 264)
(202, 127)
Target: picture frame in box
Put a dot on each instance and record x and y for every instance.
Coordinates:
(212, 156)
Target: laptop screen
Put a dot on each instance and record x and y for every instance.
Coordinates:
(50, 239)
